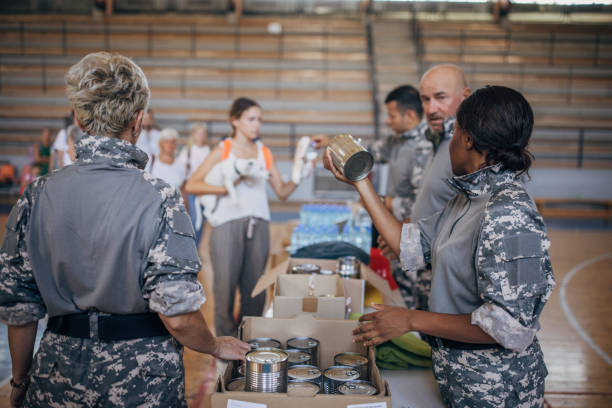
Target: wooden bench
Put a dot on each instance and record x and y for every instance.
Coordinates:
(574, 208)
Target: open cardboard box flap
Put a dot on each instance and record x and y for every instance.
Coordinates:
(335, 336)
(320, 295)
(390, 297)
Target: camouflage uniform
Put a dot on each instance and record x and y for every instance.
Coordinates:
(489, 254)
(432, 197)
(105, 237)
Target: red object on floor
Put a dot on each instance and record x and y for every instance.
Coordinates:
(381, 265)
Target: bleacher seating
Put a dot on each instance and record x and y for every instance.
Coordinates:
(311, 77)
(565, 71)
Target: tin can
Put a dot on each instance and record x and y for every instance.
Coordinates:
(348, 267)
(355, 360)
(266, 370)
(297, 357)
(264, 342)
(357, 387)
(303, 388)
(335, 375)
(327, 272)
(350, 157)
(237, 384)
(307, 344)
(305, 372)
(306, 269)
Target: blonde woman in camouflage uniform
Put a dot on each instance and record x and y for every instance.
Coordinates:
(491, 267)
(107, 252)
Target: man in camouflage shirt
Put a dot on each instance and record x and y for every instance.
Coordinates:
(107, 251)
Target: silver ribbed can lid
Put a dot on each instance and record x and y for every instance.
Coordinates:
(304, 372)
(357, 387)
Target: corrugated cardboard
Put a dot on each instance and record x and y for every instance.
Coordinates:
(335, 336)
(354, 288)
(312, 294)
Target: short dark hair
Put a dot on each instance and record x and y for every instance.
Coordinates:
(500, 122)
(407, 98)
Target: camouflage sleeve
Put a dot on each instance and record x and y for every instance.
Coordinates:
(411, 247)
(515, 277)
(170, 281)
(402, 206)
(380, 149)
(20, 300)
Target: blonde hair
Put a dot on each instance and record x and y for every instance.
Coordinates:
(194, 130)
(106, 92)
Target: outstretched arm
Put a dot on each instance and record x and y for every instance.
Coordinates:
(191, 330)
(281, 188)
(386, 224)
(390, 322)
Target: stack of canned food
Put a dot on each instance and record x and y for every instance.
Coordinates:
(269, 368)
(348, 267)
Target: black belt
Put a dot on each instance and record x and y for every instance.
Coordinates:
(452, 344)
(110, 327)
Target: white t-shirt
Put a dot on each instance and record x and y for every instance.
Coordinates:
(196, 157)
(61, 145)
(148, 142)
(173, 174)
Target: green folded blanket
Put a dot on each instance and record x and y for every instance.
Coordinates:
(392, 357)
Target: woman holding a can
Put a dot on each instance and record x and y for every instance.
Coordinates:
(489, 254)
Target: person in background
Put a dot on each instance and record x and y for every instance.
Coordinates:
(406, 150)
(166, 166)
(28, 174)
(42, 151)
(192, 156)
(113, 264)
(59, 156)
(488, 248)
(240, 238)
(148, 141)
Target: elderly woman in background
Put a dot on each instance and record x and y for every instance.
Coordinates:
(107, 252)
(165, 165)
(489, 254)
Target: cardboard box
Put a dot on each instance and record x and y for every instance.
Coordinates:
(335, 336)
(317, 295)
(353, 288)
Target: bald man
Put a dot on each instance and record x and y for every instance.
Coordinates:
(443, 88)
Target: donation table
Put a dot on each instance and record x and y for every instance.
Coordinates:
(414, 388)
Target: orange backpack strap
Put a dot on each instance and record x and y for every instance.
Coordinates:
(226, 148)
(267, 156)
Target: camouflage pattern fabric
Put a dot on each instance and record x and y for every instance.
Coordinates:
(490, 378)
(407, 156)
(514, 279)
(71, 372)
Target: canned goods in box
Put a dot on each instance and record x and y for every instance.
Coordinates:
(357, 387)
(304, 373)
(355, 360)
(307, 344)
(264, 342)
(237, 384)
(303, 388)
(266, 370)
(306, 269)
(335, 375)
(297, 357)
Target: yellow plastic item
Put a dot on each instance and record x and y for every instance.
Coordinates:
(372, 295)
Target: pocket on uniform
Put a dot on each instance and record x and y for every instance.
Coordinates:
(523, 258)
(158, 367)
(44, 369)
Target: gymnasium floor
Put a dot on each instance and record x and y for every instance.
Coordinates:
(576, 323)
